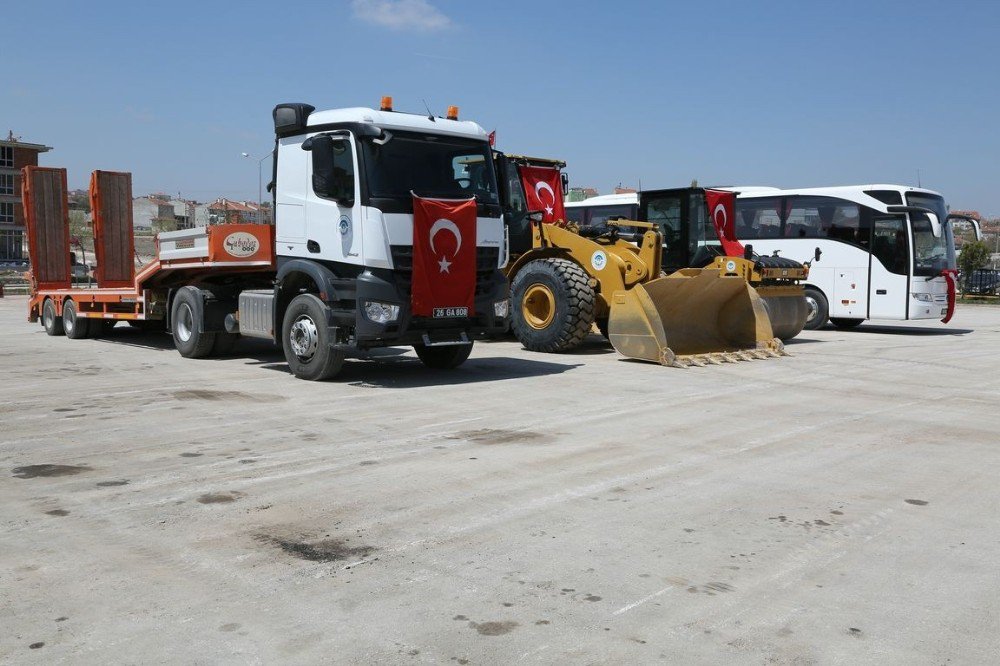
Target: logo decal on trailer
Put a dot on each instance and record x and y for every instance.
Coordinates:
(730, 266)
(241, 244)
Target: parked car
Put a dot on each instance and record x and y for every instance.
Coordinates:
(983, 282)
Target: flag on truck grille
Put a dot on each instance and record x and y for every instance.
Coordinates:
(543, 187)
(444, 257)
(722, 208)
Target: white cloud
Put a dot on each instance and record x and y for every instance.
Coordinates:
(417, 15)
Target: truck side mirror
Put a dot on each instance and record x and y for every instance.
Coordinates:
(565, 181)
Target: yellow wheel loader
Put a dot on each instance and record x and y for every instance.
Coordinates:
(565, 279)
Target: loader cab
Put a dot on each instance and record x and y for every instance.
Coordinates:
(689, 239)
(516, 209)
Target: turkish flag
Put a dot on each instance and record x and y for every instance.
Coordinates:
(543, 187)
(444, 257)
(722, 208)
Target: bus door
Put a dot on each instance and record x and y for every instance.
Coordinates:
(890, 266)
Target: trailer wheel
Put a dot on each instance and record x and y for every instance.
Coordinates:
(819, 309)
(443, 358)
(76, 327)
(305, 338)
(53, 323)
(552, 305)
(184, 324)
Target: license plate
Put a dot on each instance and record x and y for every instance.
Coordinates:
(444, 313)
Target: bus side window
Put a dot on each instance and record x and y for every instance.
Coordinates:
(758, 218)
(889, 244)
(575, 214)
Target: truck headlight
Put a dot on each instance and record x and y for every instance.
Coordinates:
(381, 313)
(501, 308)
(926, 298)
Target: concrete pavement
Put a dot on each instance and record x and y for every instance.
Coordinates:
(838, 506)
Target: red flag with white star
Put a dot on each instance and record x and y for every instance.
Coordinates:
(543, 188)
(722, 208)
(444, 258)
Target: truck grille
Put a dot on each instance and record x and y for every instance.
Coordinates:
(402, 261)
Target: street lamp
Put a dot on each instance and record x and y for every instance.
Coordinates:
(260, 184)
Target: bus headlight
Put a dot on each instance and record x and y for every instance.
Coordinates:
(501, 308)
(924, 298)
(381, 313)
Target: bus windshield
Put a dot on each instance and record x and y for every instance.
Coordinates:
(930, 253)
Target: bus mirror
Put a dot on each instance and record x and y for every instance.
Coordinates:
(935, 223)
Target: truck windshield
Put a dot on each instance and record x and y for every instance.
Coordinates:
(431, 166)
(930, 254)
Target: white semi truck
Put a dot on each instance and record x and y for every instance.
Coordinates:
(342, 267)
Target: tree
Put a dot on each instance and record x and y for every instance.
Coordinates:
(974, 255)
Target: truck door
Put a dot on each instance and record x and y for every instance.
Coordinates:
(890, 266)
(333, 208)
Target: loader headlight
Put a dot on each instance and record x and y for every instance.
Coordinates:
(501, 308)
(925, 298)
(381, 313)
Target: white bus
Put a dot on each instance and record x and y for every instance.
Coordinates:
(882, 248)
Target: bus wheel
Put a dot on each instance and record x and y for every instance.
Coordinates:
(53, 324)
(184, 324)
(76, 327)
(305, 338)
(819, 309)
(845, 324)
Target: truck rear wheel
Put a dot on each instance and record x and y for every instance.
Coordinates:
(444, 357)
(552, 305)
(76, 327)
(305, 338)
(50, 320)
(185, 326)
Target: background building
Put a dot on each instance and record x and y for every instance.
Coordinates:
(14, 154)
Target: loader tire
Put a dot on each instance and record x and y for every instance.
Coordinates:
(189, 339)
(76, 327)
(819, 309)
(443, 358)
(52, 322)
(553, 305)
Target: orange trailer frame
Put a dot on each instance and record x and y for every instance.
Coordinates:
(191, 257)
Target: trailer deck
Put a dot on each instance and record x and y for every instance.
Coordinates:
(202, 254)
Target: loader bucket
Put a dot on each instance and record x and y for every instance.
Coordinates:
(692, 313)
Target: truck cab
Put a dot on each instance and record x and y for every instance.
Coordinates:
(344, 187)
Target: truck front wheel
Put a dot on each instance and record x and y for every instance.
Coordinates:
(443, 357)
(190, 340)
(306, 340)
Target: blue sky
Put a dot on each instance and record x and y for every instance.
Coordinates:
(768, 93)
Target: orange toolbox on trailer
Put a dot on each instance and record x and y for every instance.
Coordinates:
(202, 255)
